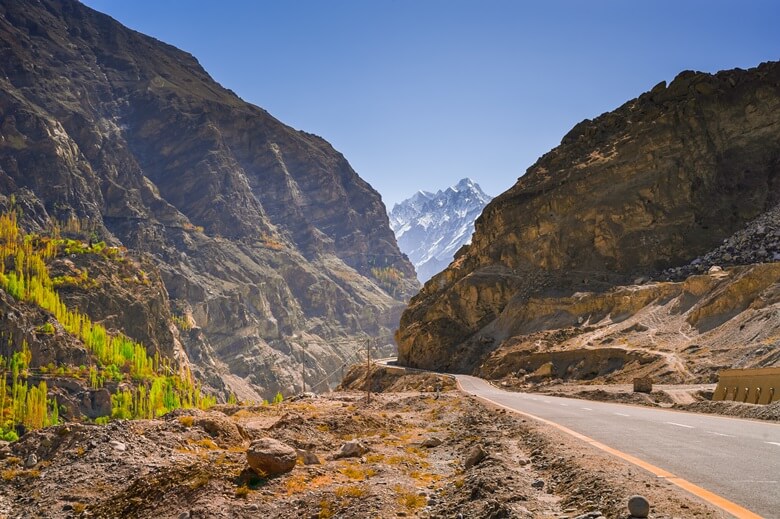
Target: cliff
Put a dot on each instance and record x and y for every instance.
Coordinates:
(265, 238)
(660, 181)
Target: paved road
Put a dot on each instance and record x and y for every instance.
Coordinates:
(736, 459)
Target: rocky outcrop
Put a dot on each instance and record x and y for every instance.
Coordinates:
(268, 243)
(653, 185)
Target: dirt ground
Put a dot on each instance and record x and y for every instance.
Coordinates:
(192, 464)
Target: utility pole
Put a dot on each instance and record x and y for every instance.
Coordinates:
(368, 370)
(303, 364)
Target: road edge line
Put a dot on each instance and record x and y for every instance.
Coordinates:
(720, 502)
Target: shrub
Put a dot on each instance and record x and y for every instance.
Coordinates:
(187, 421)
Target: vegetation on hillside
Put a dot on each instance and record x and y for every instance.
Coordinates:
(156, 387)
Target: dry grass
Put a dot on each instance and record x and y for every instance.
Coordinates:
(242, 491)
(375, 458)
(425, 477)
(326, 510)
(79, 507)
(9, 474)
(357, 472)
(207, 443)
(187, 421)
(410, 500)
(353, 491)
(296, 484)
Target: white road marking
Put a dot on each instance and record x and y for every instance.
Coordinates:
(621, 414)
(587, 409)
(681, 425)
(721, 434)
(565, 405)
(773, 443)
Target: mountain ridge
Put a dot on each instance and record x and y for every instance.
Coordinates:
(432, 227)
(264, 236)
(651, 186)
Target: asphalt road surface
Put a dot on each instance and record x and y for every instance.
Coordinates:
(736, 459)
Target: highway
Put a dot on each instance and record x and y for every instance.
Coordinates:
(737, 460)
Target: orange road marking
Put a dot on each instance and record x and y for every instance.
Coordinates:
(713, 499)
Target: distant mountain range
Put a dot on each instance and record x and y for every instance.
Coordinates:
(431, 227)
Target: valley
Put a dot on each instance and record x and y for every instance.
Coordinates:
(206, 312)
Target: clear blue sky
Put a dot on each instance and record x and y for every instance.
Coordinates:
(420, 93)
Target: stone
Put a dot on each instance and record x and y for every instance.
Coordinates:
(352, 449)
(431, 442)
(118, 446)
(538, 484)
(475, 456)
(270, 457)
(638, 506)
(31, 461)
(643, 385)
(308, 457)
(224, 432)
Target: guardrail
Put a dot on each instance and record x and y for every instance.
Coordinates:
(754, 386)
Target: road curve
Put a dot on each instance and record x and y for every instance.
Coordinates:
(734, 459)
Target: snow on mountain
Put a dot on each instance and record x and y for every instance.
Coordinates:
(431, 227)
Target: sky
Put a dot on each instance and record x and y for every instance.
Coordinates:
(418, 94)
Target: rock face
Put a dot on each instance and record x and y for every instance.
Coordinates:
(265, 238)
(432, 227)
(653, 185)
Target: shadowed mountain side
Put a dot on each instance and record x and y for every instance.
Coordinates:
(264, 235)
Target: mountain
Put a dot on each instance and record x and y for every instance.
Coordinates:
(269, 246)
(431, 227)
(597, 261)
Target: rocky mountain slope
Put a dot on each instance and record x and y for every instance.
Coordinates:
(432, 227)
(568, 274)
(266, 240)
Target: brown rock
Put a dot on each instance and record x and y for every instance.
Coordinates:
(308, 457)
(474, 457)
(270, 457)
(352, 449)
(643, 385)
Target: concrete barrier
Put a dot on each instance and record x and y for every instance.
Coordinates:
(754, 386)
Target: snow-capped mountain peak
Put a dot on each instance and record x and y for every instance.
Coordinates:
(431, 227)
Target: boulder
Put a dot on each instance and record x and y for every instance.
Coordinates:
(224, 432)
(308, 457)
(352, 449)
(270, 457)
(431, 442)
(31, 461)
(643, 385)
(638, 506)
(475, 456)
